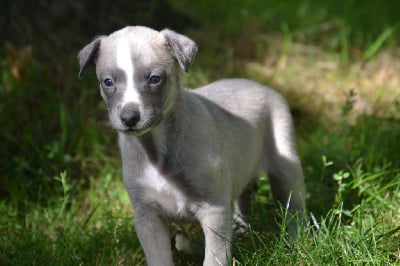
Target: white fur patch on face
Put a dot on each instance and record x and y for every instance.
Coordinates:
(124, 62)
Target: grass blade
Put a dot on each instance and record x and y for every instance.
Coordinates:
(377, 44)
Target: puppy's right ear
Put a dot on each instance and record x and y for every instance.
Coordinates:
(88, 54)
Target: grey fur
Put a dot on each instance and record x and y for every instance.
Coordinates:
(191, 153)
(87, 55)
(183, 48)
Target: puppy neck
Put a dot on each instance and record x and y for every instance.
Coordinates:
(157, 142)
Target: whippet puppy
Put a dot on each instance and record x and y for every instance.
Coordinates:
(190, 155)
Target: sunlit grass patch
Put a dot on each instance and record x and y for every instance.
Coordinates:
(317, 81)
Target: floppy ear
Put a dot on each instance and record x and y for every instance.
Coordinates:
(88, 55)
(181, 47)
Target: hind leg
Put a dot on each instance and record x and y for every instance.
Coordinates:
(287, 183)
(283, 166)
(243, 208)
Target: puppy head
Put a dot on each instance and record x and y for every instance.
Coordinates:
(138, 70)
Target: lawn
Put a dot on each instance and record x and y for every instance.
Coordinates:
(62, 201)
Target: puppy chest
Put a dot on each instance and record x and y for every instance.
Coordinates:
(162, 194)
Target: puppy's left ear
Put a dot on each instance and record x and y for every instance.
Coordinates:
(88, 55)
(181, 47)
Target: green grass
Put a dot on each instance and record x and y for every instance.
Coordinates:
(91, 228)
(62, 201)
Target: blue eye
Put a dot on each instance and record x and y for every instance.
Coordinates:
(108, 82)
(154, 80)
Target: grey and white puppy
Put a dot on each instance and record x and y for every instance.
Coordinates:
(189, 154)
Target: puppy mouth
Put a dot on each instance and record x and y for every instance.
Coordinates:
(145, 128)
(135, 131)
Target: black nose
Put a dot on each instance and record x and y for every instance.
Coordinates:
(130, 115)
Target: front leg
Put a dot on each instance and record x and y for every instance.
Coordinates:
(216, 222)
(154, 237)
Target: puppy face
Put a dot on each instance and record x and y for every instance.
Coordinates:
(136, 71)
(138, 74)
